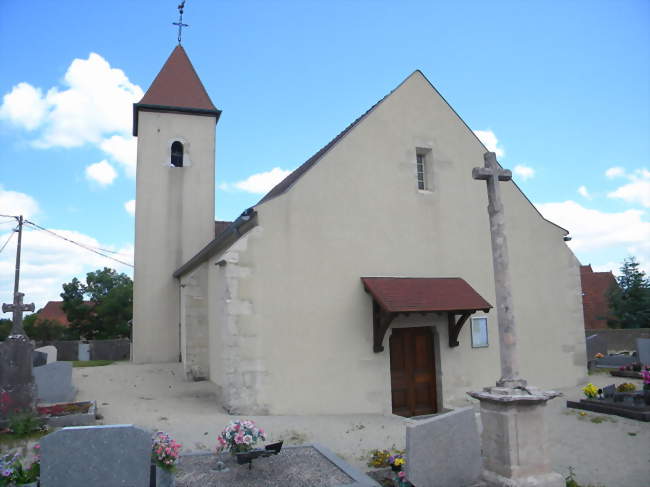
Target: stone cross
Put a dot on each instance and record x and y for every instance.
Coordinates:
(17, 307)
(493, 173)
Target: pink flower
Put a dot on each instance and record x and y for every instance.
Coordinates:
(401, 475)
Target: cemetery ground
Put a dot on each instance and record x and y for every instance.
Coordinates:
(603, 450)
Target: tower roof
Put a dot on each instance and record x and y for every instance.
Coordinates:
(177, 88)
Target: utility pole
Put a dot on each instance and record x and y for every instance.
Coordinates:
(17, 307)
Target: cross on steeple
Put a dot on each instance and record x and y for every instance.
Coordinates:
(180, 23)
(17, 307)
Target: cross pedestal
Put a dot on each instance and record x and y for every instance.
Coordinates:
(17, 389)
(515, 450)
(513, 440)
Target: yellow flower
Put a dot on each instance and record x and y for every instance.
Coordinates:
(399, 461)
(590, 390)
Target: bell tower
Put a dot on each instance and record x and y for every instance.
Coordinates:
(175, 123)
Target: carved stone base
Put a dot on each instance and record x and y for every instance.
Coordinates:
(515, 450)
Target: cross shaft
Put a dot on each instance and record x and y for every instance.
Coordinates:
(492, 173)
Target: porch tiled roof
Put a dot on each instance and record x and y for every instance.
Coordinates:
(424, 294)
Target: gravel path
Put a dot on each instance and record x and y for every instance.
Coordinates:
(292, 467)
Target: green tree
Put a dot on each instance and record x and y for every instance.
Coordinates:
(5, 328)
(630, 300)
(43, 330)
(101, 307)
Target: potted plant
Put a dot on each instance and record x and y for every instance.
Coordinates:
(164, 455)
(239, 436)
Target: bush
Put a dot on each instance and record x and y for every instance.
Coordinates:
(24, 422)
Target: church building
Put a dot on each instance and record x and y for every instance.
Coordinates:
(361, 283)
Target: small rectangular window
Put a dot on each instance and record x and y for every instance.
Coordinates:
(422, 171)
(479, 332)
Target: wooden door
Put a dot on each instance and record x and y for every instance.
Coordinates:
(412, 371)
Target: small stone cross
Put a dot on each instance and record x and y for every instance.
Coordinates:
(492, 173)
(17, 308)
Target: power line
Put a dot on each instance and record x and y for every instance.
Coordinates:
(13, 232)
(83, 246)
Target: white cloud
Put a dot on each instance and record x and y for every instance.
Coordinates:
(582, 191)
(94, 107)
(259, 183)
(615, 172)
(47, 262)
(490, 141)
(524, 172)
(24, 106)
(122, 149)
(594, 229)
(101, 172)
(129, 206)
(15, 203)
(637, 190)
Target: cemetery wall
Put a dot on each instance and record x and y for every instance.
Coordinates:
(67, 350)
(298, 317)
(619, 340)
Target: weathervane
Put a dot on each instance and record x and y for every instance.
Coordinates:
(180, 23)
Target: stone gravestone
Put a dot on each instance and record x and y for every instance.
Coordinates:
(98, 456)
(54, 382)
(444, 451)
(38, 358)
(643, 350)
(51, 352)
(595, 344)
(17, 390)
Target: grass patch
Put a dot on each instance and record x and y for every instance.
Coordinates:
(91, 363)
(11, 440)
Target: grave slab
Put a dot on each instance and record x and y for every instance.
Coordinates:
(101, 456)
(51, 352)
(444, 451)
(54, 382)
(38, 358)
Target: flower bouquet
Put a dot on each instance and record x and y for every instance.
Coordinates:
(591, 391)
(165, 451)
(240, 436)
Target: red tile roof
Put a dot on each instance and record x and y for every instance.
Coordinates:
(178, 85)
(53, 310)
(178, 88)
(595, 302)
(407, 294)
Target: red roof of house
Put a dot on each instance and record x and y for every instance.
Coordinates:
(595, 301)
(408, 294)
(178, 85)
(53, 310)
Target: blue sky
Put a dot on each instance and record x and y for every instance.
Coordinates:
(563, 88)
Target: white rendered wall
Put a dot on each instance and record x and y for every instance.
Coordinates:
(305, 341)
(174, 220)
